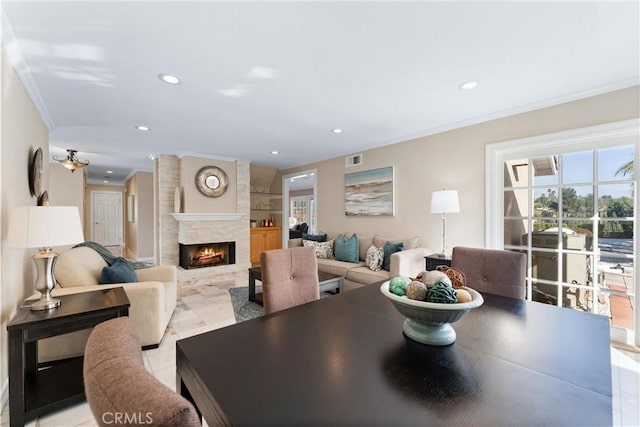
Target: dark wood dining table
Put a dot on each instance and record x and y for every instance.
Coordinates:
(344, 360)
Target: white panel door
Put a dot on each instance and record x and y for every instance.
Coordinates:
(106, 211)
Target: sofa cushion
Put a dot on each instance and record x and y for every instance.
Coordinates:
(337, 267)
(365, 275)
(375, 256)
(323, 250)
(390, 248)
(408, 242)
(121, 271)
(364, 241)
(79, 266)
(346, 249)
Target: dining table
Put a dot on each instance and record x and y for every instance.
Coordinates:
(344, 360)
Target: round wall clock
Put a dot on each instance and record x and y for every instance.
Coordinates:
(35, 174)
(211, 181)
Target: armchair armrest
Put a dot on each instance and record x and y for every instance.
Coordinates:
(159, 273)
(409, 262)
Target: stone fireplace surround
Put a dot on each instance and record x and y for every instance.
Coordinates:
(198, 227)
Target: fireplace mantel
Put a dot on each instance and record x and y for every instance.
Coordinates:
(207, 216)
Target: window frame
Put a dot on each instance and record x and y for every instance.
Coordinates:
(590, 138)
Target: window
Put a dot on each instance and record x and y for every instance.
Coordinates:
(569, 202)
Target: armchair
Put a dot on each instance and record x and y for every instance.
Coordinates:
(153, 299)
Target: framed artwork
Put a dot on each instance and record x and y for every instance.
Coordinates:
(131, 213)
(369, 193)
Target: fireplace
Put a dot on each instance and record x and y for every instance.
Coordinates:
(200, 255)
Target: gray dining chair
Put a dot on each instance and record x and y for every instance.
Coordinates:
(289, 278)
(492, 271)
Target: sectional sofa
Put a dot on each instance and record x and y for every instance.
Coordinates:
(407, 262)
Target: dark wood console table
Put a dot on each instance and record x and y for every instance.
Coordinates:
(34, 391)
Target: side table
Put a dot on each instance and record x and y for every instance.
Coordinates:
(34, 391)
(434, 260)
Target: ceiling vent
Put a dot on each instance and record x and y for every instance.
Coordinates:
(354, 160)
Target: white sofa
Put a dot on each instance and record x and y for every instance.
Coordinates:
(408, 262)
(153, 299)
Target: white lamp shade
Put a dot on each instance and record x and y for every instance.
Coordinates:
(445, 201)
(44, 226)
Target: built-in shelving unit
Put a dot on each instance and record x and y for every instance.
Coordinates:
(266, 206)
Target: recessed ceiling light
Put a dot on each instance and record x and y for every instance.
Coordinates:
(468, 85)
(336, 130)
(105, 181)
(109, 171)
(169, 79)
(143, 128)
(274, 152)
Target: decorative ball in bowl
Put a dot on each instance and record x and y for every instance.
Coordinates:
(430, 322)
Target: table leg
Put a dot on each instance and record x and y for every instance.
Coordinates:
(181, 388)
(252, 286)
(19, 358)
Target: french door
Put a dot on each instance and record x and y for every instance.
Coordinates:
(569, 202)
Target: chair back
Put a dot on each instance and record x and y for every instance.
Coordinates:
(118, 385)
(492, 271)
(289, 278)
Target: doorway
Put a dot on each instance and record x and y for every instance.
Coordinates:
(299, 202)
(106, 218)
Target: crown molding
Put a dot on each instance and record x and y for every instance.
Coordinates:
(576, 96)
(16, 59)
(182, 154)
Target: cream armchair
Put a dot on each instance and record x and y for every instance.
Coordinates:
(153, 299)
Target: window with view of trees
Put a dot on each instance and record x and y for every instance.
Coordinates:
(573, 215)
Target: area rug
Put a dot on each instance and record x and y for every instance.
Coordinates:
(243, 309)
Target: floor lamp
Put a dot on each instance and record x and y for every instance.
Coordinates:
(444, 202)
(43, 227)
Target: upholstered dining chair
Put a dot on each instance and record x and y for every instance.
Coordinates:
(492, 271)
(119, 389)
(289, 278)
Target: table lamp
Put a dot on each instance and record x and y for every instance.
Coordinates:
(444, 202)
(43, 227)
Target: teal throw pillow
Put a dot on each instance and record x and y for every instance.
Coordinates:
(390, 248)
(121, 271)
(314, 237)
(347, 249)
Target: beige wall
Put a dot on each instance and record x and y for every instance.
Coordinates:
(22, 132)
(139, 234)
(87, 205)
(454, 160)
(66, 188)
(195, 202)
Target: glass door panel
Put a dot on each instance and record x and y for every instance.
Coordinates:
(573, 215)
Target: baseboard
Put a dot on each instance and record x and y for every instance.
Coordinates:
(4, 396)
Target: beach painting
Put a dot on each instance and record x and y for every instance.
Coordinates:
(369, 193)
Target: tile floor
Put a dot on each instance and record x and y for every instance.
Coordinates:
(206, 307)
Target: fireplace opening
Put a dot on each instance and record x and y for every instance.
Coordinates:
(207, 254)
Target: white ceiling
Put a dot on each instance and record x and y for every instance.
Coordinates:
(263, 76)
